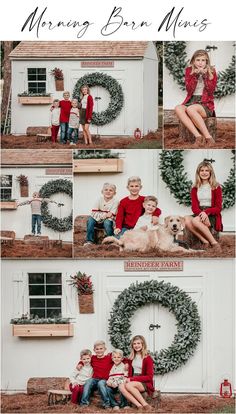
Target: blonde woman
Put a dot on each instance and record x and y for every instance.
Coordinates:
(141, 372)
(206, 198)
(200, 82)
(86, 112)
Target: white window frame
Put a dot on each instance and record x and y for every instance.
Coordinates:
(29, 82)
(10, 187)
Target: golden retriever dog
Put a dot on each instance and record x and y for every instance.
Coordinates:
(160, 237)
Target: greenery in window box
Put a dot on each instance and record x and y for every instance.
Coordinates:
(94, 154)
(23, 180)
(82, 283)
(57, 73)
(25, 320)
(8, 200)
(33, 94)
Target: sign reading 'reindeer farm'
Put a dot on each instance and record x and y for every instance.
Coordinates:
(153, 265)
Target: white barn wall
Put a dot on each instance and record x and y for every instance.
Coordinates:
(150, 93)
(173, 95)
(19, 220)
(87, 187)
(129, 72)
(57, 357)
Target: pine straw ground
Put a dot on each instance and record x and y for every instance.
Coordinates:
(151, 140)
(227, 243)
(22, 403)
(20, 249)
(225, 137)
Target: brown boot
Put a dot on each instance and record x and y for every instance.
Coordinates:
(198, 142)
(210, 142)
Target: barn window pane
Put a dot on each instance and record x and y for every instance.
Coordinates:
(45, 293)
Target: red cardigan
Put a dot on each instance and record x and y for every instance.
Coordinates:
(208, 91)
(214, 210)
(146, 374)
(89, 109)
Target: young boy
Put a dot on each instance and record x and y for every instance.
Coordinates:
(103, 213)
(145, 221)
(79, 378)
(35, 204)
(73, 122)
(101, 365)
(131, 208)
(55, 120)
(65, 105)
(117, 376)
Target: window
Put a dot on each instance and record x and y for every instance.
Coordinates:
(6, 187)
(37, 80)
(45, 294)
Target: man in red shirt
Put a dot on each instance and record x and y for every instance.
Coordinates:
(65, 105)
(131, 208)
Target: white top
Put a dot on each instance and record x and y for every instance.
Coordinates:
(55, 116)
(84, 102)
(204, 195)
(80, 377)
(145, 220)
(35, 204)
(101, 207)
(137, 364)
(200, 86)
(74, 118)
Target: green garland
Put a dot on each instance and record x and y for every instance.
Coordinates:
(173, 174)
(116, 96)
(177, 301)
(46, 191)
(176, 61)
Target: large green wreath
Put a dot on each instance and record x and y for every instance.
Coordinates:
(173, 174)
(114, 89)
(176, 61)
(177, 301)
(46, 191)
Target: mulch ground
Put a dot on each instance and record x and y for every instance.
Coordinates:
(227, 243)
(151, 140)
(22, 403)
(20, 249)
(225, 137)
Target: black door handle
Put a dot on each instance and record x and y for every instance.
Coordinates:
(208, 48)
(97, 98)
(152, 327)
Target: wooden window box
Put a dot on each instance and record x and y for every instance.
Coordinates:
(8, 205)
(35, 100)
(33, 330)
(102, 165)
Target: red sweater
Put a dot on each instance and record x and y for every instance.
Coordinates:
(129, 212)
(101, 366)
(208, 91)
(65, 110)
(89, 109)
(214, 210)
(146, 374)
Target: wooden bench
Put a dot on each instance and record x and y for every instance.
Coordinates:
(43, 137)
(58, 397)
(184, 133)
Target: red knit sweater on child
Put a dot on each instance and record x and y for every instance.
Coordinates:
(129, 212)
(65, 110)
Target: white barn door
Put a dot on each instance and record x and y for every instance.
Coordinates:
(190, 377)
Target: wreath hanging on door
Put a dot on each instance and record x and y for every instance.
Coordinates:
(176, 301)
(175, 58)
(116, 96)
(176, 179)
(47, 190)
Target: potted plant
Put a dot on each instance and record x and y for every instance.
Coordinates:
(34, 326)
(97, 161)
(24, 185)
(85, 290)
(59, 79)
(32, 98)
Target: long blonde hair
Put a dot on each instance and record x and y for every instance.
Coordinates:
(82, 87)
(201, 52)
(212, 180)
(144, 351)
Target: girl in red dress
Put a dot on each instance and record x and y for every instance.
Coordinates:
(141, 372)
(86, 112)
(200, 82)
(206, 197)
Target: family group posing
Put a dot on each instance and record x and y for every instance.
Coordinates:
(67, 115)
(112, 374)
(141, 213)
